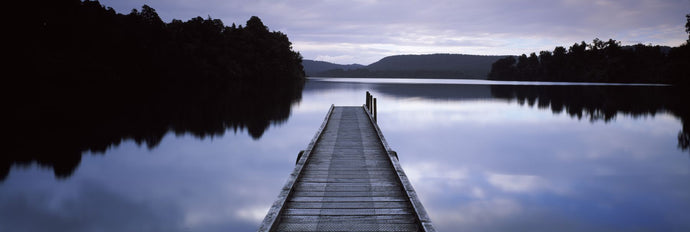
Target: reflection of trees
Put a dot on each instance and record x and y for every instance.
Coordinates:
(410, 90)
(53, 128)
(88, 78)
(582, 101)
(604, 102)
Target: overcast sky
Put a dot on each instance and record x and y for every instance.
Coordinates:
(364, 31)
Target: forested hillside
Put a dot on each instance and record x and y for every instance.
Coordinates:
(313, 67)
(436, 62)
(422, 66)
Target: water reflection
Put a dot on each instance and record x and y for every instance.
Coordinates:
(480, 159)
(594, 103)
(539, 158)
(605, 102)
(409, 90)
(226, 183)
(54, 126)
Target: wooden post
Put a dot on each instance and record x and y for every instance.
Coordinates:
(370, 104)
(368, 101)
(299, 156)
(374, 110)
(366, 98)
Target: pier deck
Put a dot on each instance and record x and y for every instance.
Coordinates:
(348, 179)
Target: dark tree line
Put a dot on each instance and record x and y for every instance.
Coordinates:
(83, 39)
(600, 61)
(85, 78)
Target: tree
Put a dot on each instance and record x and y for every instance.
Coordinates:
(150, 16)
(687, 26)
(532, 72)
(503, 69)
(596, 45)
(559, 51)
(254, 24)
(546, 67)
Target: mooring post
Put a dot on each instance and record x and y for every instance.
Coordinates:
(299, 156)
(368, 101)
(374, 110)
(370, 105)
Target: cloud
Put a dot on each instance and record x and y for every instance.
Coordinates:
(472, 215)
(516, 183)
(253, 213)
(94, 208)
(342, 59)
(449, 26)
(430, 171)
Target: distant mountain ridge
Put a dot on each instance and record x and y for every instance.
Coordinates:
(416, 66)
(313, 67)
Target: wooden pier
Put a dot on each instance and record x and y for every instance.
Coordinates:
(348, 179)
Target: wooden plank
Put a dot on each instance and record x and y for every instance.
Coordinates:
(348, 173)
(391, 219)
(345, 173)
(347, 226)
(346, 199)
(341, 176)
(346, 205)
(347, 212)
(348, 194)
(351, 185)
(348, 188)
(342, 180)
(353, 159)
(349, 163)
(345, 169)
(347, 177)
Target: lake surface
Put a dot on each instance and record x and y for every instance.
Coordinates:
(481, 156)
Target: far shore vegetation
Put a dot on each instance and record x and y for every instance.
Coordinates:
(600, 61)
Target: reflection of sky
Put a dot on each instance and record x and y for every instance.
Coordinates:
(478, 165)
(224, 183)
(498, 166)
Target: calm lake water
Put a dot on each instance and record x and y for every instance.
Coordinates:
(481, 157)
